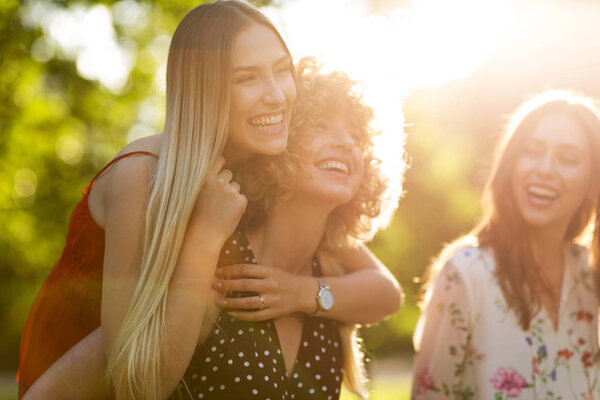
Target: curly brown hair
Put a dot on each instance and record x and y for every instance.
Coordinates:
(268, 180)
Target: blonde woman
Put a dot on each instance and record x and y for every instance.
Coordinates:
(148, 234)
(511, 311)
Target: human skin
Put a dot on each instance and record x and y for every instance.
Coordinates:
(262, 95)
(286, 293)
(551, 177)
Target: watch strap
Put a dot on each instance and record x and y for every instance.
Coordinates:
(322, 285)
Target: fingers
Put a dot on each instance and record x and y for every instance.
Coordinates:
(219, 164)
(225, 176)
(214, 296)
(235, 186)
(243, 271)
(247, 303)
(245, 285)
(261, 315)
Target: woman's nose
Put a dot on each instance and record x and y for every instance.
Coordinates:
(342, 138)
(545, 166)
(273, 92)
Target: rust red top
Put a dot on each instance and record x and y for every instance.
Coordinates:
(67, 307)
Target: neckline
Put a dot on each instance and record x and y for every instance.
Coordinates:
(241, 234)
(566, 284)
(280, 357)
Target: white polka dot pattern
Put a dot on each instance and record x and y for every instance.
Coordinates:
(252, 366)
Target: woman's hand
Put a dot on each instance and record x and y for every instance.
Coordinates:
(279, 292)
(219, 205)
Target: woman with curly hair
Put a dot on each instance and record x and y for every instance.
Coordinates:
(144, 241)
(511, 311)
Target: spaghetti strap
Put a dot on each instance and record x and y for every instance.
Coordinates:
(114, 160)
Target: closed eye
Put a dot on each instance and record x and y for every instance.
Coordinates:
(569, 158)
(244, 78)
(285, 69)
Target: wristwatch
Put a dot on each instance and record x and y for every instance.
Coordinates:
(324, 297)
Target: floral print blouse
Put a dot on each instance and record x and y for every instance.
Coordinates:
(469, 345)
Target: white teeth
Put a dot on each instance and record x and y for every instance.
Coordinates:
(266, 121)
(542, 192)
(333, 165)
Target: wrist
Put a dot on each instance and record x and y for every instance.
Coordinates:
(310, 289)
(197, 260)
(203, 239)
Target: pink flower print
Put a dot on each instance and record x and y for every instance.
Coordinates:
(425, 382)
(509, 381)
(581, 341)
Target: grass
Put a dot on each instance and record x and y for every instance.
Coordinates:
(391, 381)
(387, 389)
(8, 386)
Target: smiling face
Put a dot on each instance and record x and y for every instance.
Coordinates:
(551, 176)
(332, 163)
(262, 94)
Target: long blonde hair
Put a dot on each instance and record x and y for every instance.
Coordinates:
(197, 114)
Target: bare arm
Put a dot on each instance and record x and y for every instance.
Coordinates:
(360, 275)
(364, 276)
(219, 206)
(78, 375)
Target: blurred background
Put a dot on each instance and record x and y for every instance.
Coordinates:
(80, 79)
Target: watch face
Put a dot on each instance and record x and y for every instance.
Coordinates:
(326, 299)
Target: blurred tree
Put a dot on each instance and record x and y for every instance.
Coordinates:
(57, 128)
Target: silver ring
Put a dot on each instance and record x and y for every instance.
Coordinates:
(262, 302)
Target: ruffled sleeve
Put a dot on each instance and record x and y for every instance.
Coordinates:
(441, 339)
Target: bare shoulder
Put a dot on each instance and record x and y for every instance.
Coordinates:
(149, 143)
(129, 179)
(128, 182)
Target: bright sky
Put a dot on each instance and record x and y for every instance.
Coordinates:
(419, 45)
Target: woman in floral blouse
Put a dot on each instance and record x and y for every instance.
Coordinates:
(511, 310)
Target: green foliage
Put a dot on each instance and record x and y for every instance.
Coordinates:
(56, 130)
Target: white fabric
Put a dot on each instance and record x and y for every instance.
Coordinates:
(470, 346)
